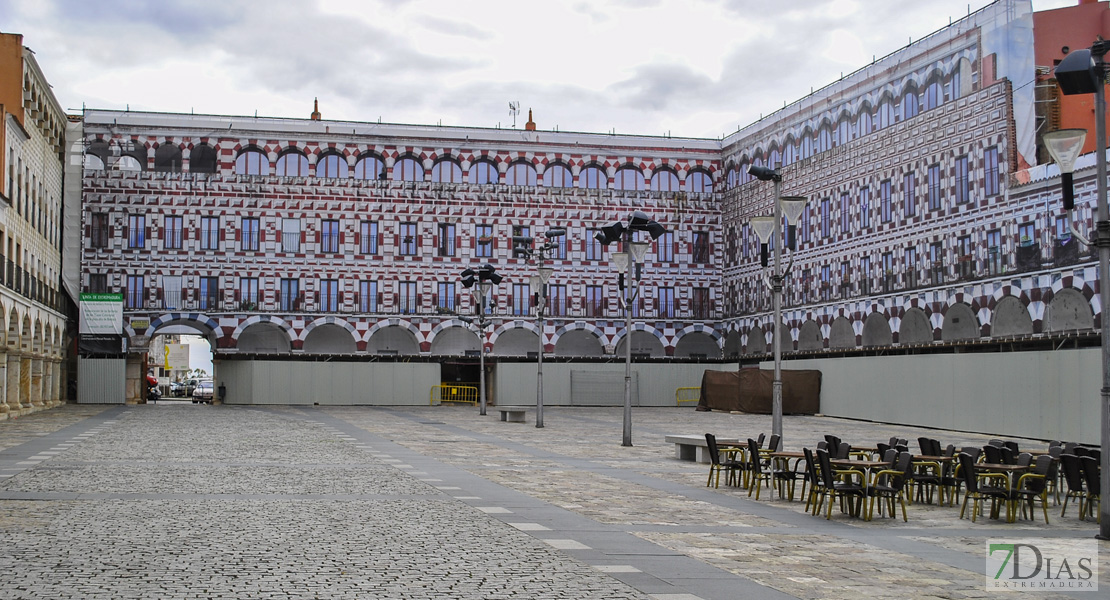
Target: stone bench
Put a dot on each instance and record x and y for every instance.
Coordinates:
(512, 414)
(694, 447)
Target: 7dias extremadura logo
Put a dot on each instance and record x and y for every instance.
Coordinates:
(1042, 565)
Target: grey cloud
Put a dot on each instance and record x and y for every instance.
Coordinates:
(661, 86)
(452, 27)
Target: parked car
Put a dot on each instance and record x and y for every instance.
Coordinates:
(190, 386)
(177, 389)
(203, 392)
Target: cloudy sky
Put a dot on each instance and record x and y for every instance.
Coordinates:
(698, 68)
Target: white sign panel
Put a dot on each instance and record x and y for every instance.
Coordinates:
(102, 313)
(177, 356)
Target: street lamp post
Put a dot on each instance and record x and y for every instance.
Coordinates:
(522, 247)
(486, 277)
(1084, 72)
(769, 230)
(631, 260)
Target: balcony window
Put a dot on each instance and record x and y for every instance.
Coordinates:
(136, 232)
(248, 235)
(329, 295)
(209, 233)
(136, 291)
(99, 230)
(483, 245)
(406, 297)
(209, 293)
(329, 236)
(408, 239)
(290, 295)
(368, 299)
(291, 235)
(173, 228)
(368, 237)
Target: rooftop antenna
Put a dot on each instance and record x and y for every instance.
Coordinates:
(514, 109)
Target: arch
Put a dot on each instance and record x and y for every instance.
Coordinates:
(370, 166)
(579, 339)
(959, 323)
(697, 343)
(167, 158)
(292, 163)
(447, 170)
(864, 118)
(203, 324)
(733, 347)
(1010, 318)
(332, 164)
(757, 341)
(643, 343)
(408, 168)
(329, 338)
(628, 177)
(101, 150)
(915, 328)
(516, 341)
(809, 337)
(933, 95)
(876, 331)
(841, 334)
(264, 337)
(521, 172)
(1068, 310)
(134, 150)
(664, 179)
(482, 172)
(557, 175)
(885, 114)
(593, 177)
(392, 339)
(93, 162)
(455, 341)
(252, 161)
(699, 181)
(732, 177)
(202, 159)
(128, 163)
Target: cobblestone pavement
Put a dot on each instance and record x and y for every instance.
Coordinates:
(191, 501)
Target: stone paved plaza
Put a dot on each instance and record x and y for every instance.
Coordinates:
(177, 500)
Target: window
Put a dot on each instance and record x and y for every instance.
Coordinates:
(701, 247)
(136, 231)
(446, 298)
(865, 275)
(483, 172)
(522, 230)
(595, 301)
(329, 236)
(700, 305)
(594, 249)
(290, 235)
(699, 182)
(932, 95)
(209, 293)
(845, 214)
(996, 260)
(483, 247)
(557, 175)
(248, 293)
(408, 169)
(290, 295)
(292, 164)
(936, 263)
(521, 298)
(909, 193)
(99, 230)
(826, 218)
(990, 171)
(910, 104)
(98, 283)
(628, 178)
(909, 266)
(209, 233)
(963, 193)
(666, 302)
(136, 289)
(1063, 231)
(370, 167)
(520, 173)
(845, 279)
(732, 178)
(559, 252)
(408, 239)
(886, 113)
(446, 171)
(406, 297)
(804, 223)
(965, 261)
(863, 123)
(592, 178)
(329, 295)
(248, 234)
(368, 299)
(1027, 234)
(252, 162)
(368, 237)
(664, 181)
(172, 234)
(202, 159)
(331, 165)
(934, 184)
(888, 271)
(556, 300)
(826, 283)
(664, 248)
(865, 207)
(446, 243)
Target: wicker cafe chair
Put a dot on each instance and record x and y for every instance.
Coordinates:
(1031, 487)
(817, 490)
(978, 492)
(845, 489)
(889, 484)
(1073, 476)
(992, 454)
(1093, 479)
(717, 464)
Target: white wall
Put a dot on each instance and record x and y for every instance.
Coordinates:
(334, 383)
(1045, 395)
(515, 383)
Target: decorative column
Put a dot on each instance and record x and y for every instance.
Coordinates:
(15, 398)
(37, 399)
(4, 408)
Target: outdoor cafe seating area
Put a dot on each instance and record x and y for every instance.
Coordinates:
(999, 479)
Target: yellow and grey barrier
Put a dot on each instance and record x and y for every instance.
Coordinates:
(454, 393)
(687, 394)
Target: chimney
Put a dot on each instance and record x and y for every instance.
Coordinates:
(315, 116)
(530, 126)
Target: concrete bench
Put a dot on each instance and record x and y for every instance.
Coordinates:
(694, 447)
(512, 414)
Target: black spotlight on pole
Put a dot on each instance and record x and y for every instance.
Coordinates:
(610, 233)
(522, 246)
(468, 278)
(764, 173)
(555, 232)
(486, 272)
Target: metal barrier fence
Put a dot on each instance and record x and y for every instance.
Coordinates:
(454, 393)
(687, 394)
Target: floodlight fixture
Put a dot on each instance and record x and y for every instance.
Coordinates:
(764, 173)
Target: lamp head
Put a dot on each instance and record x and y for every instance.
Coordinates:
(639, 221)
(1065, 145)
(763, 227)
(620, 261)
(522, 246)
(468, 278)
(792, 207)
(1076, 73)
(610, 233)
(555, 232)
(764, 173)
(486, 272)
